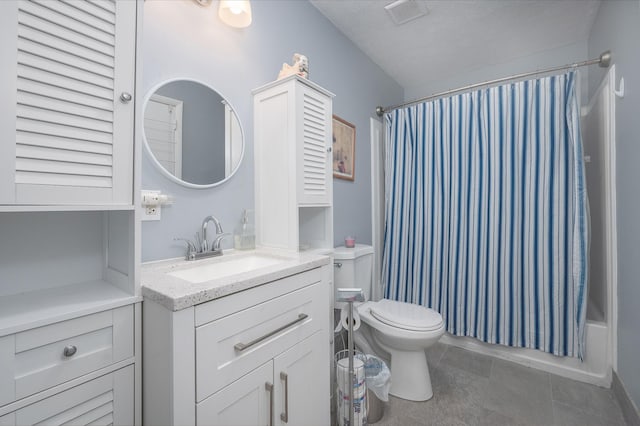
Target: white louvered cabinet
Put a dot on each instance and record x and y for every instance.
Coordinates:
(67, 85)
(293, 174)
(67, 218)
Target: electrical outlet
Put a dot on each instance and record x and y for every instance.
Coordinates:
(151, 212)
(151, 201)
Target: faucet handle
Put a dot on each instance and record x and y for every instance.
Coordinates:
(191, 247)
(216, 243)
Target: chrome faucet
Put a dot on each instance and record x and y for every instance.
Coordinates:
(201, 249)
(205, 241)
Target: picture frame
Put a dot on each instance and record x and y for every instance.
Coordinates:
(344, 149)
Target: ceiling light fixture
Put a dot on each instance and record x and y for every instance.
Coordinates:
(403, 11)
(235, 13)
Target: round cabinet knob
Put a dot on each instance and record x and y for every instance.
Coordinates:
(70, 351)
(329, 149)
(125, 97)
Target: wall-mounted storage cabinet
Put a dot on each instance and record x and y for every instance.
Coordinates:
(293, 174)
(66, 89)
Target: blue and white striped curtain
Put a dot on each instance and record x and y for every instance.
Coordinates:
(486, 213)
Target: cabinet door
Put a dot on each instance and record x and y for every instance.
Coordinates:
(245, 402)
(66, 137)
(315, 181)
(301, 376)
(105, 400)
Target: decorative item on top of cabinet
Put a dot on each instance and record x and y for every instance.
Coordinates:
(299, 67)
(67, 128)
(292, 147)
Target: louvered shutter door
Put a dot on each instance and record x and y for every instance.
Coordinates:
(314, 179)
(73, 136)
(106, 400)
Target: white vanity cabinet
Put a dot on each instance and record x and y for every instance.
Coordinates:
(293, 165)
(258, 356)
(286, 390)
(67, 86)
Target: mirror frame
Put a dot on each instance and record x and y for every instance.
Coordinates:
(155, 161)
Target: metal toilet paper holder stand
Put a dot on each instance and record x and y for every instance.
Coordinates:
(350, 295)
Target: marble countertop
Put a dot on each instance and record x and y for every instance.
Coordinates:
(176, 294)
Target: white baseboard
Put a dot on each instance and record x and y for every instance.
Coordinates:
(629, 409)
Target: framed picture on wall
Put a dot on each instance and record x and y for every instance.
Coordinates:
(344, 149)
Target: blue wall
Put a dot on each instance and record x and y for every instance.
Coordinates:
(182, 39)
(617, 27)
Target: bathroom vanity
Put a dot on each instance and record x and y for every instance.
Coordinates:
(239, 339)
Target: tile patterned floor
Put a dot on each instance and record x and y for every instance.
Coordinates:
(474, 389)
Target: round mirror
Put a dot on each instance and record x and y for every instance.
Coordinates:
(192, 133)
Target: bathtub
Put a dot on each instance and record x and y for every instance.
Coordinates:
(595, 369)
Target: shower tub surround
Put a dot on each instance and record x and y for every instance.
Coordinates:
(238, 337)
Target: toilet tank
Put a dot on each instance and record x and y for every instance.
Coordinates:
(352, 269)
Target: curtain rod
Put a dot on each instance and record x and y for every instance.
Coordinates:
(604, 60)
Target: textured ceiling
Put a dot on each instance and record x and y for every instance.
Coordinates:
(458, 34)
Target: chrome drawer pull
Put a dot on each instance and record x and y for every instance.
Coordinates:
(269, 387)
(242, 346)
(285, 416)
(70, 351)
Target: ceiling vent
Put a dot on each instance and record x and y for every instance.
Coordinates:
(403, 11)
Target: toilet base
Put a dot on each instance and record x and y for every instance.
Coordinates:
(410, 377)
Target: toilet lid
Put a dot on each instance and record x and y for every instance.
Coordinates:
(406, 316)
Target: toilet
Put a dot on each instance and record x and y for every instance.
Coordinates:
(403, 330)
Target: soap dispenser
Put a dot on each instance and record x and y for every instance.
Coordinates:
(244, 234)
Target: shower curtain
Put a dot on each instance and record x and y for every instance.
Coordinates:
(485, 213)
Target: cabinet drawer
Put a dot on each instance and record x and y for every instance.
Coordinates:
(105, 400)
(266, 329)
(43, 357)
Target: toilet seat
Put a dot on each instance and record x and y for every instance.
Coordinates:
(406, 316)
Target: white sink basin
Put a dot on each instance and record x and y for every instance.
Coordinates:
(222, 267)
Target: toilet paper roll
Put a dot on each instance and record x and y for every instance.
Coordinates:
(344, 318)
(359, 410)
(343, 378)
